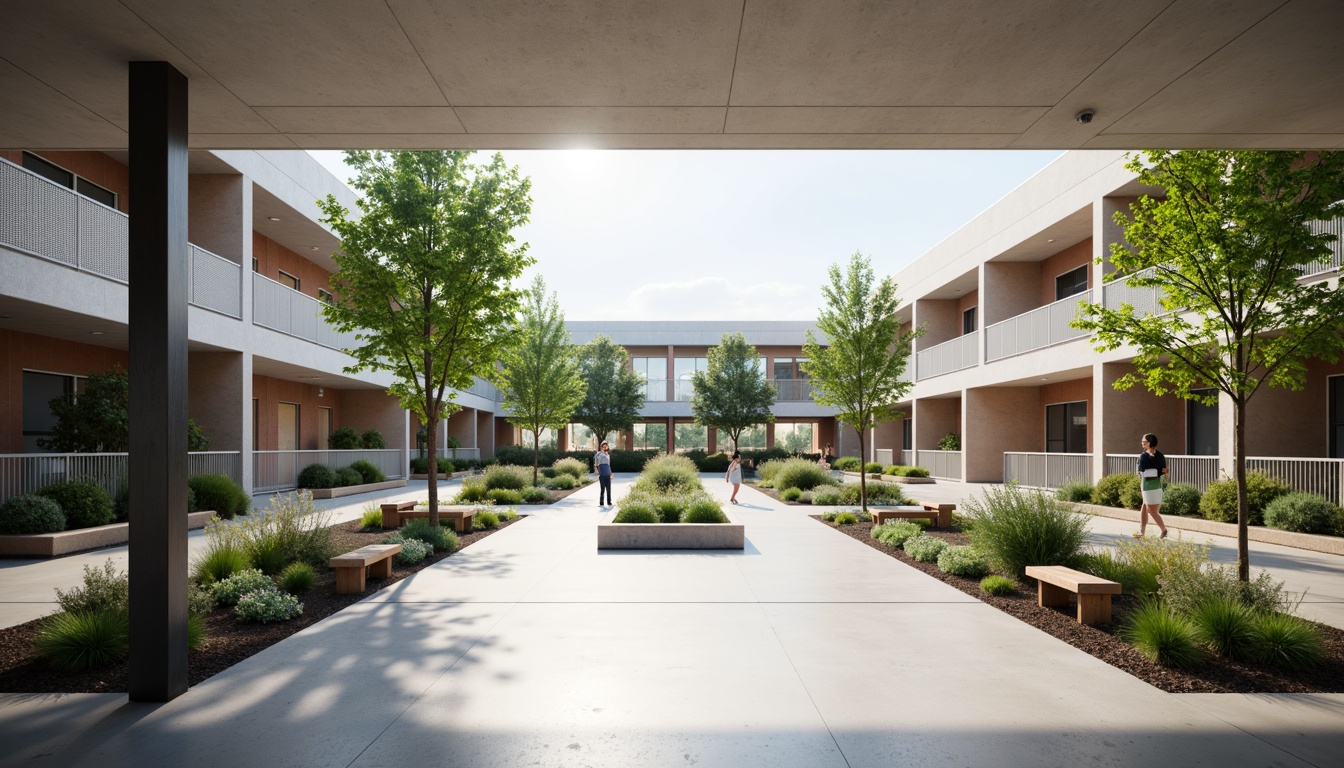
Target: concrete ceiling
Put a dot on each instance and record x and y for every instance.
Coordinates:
(285, 74)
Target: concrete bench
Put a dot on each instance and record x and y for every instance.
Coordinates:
(373, 560)
(396, 514)
(1055, 583)
(881, 516)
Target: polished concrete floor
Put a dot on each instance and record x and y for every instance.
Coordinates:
(805, 649)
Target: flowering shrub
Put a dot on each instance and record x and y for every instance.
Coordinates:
(963, 561)
(268, 605)
(231, 590)
(924, 548)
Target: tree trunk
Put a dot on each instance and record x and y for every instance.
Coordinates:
(431, 437)
(536, 454)
(1243, 502)
(863, 472)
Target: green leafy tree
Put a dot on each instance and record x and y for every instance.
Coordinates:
(614, 393)
(98, 420)
(425, 275)
(1226, 246)
(540, 376)
(859, 371)
(732, 394)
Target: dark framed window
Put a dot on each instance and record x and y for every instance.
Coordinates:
(1071, 283)
(1201, 427)
(1066, 428)
(39, 389)
(83, 186)
(907, 434)
(289, 280)
(968, 321)
(1336, 416)
(326, 296)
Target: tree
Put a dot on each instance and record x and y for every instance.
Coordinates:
(1227, 245)
(859, 372)
(540, 376)
(425, 276)
(98, 420)
(732, 394)
(614, 392)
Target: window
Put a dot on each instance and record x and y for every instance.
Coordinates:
(791, 379)
(1066, 428)
(288, 279)
(968, 321)
(1071, 283)
(684, 369)
(1336, 416)
(547, 438)
(1201, 427)
(794, 438)
(654, 371)
(907, 435)
(256, 265)
(691, 436)
(650, 437)
(69, 180)
(324, 422)
(39, 389)
(752, 437)
(326, 296)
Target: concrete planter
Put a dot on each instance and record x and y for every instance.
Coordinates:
(729, 535)
(1332, 545)
(908, 480)
(65, 542)
(351, 490)
(463, 473)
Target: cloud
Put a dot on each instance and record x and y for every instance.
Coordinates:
(716, 298)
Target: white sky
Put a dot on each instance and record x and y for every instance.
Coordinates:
(738, 235)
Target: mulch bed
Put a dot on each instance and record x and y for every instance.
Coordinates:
(228, 642)
(1217, 675)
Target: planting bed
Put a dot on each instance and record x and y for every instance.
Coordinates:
(228, 642)
(1214, 676)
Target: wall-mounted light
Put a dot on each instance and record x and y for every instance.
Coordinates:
(320, 392)
(273, 218)
(314, 248)
(95, 333)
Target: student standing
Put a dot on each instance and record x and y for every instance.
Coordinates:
(1152, 466)
(734, 475)
(602, 463)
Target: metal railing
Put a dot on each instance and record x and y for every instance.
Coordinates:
(42, 218)
(487, 390)
(884, 456)
(1041, 327)
(22, 473)
(1319, 476)
(1046, 470)
(907, 458)
(792, 390)
(279, 470)
(281, 308)
(655, 390)
(1336, 258)
(1198, 471)
(941, 464)
(1145, 299)
(961, 352)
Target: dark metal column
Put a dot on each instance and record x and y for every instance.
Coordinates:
(158, 359)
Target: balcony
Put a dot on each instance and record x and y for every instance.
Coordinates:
(961, 352)
(44, 219)
(1040, 328)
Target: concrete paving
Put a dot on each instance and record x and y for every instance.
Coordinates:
(806, 649)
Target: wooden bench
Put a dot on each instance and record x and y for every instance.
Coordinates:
(392, 512)
(373, 560)
(1055, 583)
(881, 516)
(395, 515)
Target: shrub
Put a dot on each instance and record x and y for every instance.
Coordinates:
(847, 463)
(219, 494)
(950, 442)
(319, 476)
(636, 513)
(440, 538)
(895, 533)
(267, 606)
(791, 494)
(412, 550)
(1107, 565)
(484, 521)
(1286, 641)
(372, 440)
(766, 470)
(562, 482)
(801, 474)
(85, 505)
(506, 515)
(508, 478)
(1186, 583)
(31, 513)
(473, 491)
(872, 468)
(504, 496)
(121, 501)
(846, 518)
(535, 495)
(1162, 635)
(268, 555)
(1131, 493)
(668, 473)
(925, 549)
(826, 497)
(714, 462)
(420, 465)
(290, 530)
(104, 589)
(372, 518)
(963, 561)
(73, 642)
(704, 512)
(1110, 490)
(229, 591)
(669, 510)
(344, 439)
(1018, 528)
(572, 467)
(1220, 498)
(221, 560)
(623, 461)
(1302, 512)
(368, 471)
(1148, 559)
(900, 470)
(297, 577)
(1181, 499)
(349, 476)
(1225, 625)
(998, 586)
(1075, 490)
(878, 493)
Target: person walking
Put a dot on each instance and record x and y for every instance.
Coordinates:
(1152, 467)
(734, 475)
(602, 464)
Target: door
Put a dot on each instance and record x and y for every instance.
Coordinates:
(323, 427)
(288, 440)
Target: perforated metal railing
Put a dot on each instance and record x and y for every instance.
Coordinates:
(286, 310)
(961, 352)
(1042, 327)
(28, 472)
(279, 470)
(941, 464)
(1046, 470)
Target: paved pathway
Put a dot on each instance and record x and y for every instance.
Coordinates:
(806, 649)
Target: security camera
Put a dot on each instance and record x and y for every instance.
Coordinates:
(1085, 116)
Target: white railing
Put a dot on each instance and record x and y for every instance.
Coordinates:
(22, 473)
(281, 308)
(907, 458)
(1046, 470)
(1146, 299)
(683, 390)
(1041, 327)
(884, 456)
(1198, 471)
(792, 390)
(1319, 476)
(279, 470)
(1336, 259)
(487, 390)
(655, 390)
(42, 218)
(961, 352)
(941, 464)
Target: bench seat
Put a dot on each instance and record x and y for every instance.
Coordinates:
(370, 560)
(1054, 584)
(396, 514)
(881, 516)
